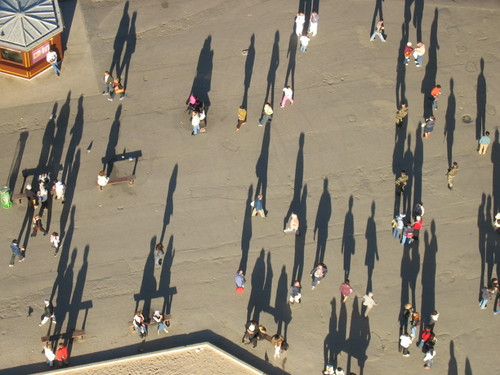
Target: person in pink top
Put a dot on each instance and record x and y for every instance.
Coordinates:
(287, 95)
(345, 290)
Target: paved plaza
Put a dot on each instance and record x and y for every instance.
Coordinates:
(331, 157)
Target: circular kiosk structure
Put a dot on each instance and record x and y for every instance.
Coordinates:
(28, 29)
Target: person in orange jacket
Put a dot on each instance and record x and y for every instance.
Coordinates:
(62, 355)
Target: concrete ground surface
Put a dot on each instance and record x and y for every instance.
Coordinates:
(331, 157)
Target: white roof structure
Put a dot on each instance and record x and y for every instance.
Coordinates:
(26, 23)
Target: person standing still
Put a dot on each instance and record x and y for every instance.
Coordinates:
(304, 42)
(287, 95)
(158, 253)
(435, 92)
(62, 355)
(401, 182)
(418, 54)
(258, 207)
(369, 302)
(484, 142)
(318, 273)
(428, 126)
(108, 83)
(379, 30)
(295, 292)
(345, 290)
(52, 59)
(242, 117)
(16, 251)
(313, 24)
(408, 51)
(240, 281)
(300, 20)
(452, 172)
(267, 115)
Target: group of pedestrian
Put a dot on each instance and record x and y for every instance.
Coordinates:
(112, 86)
(491, 292)
(303, 35)
(196, 110)
(254, 332)
(404, 230)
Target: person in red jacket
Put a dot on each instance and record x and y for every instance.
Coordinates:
(408, 52)
(417, 225)
(62, 355)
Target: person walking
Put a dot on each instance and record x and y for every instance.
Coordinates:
(345, 290)
(304, 42)
(405, 317)
(102, 180)
(408, 51)
(240, 281)
(117, 89)
(48, 313)
(486, 295)
(318, 273)
(108, 83)
(31, 196)
(484, 142)
(452, 172)
(378, 31)
(401, 182)
(55, 242)
(418, 54)
(429, 358)
(287, 96)
(369, 303)
(419, 210)
(313, 24)
(159, 253)
(58, 190)
(52, 59)
(435, 92)
(43, 197)
(38, 226)
(397, 226)
(16, 251)
(258, 207)
(62, 356)
(428, 126)
(300, 20)
(159, 319)
(293, 225)
(401, 115)
(414, 324)
(405, 342)
(242, 117)
(267, 115)
(407, 237)
(251, 333)
(295, 292)
(195, 122)
(49, 354)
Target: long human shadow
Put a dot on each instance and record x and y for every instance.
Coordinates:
(449, 127)
(67, 14)
(77, 304)
(482, 226)
(63, 298)
(492, 251)
(408, 162)
(418, 14)
(164, 288)
(246, 231)
(16, 160)
(249, 62)
(273, 67)
(429, 80)
(417, 170)
(263, 163)
(203, 80)
(256, 299)
(371, 247)
(321, 224)
(429, 273)
(468, 368)
(120, 39)
(70, 192)
(332, 344)
(359, 338)
(452, 363)
(282, 310)
(297, 185)
(131, 40)
(61, 126)
(401, 73)
(268, 284)
(481, 102)
(169, 203)
(398, 163)
(348, 246)
(148, 284)
(114, 134)
(410, 268)
(300, 241)
(76, 133)
(378, 11)
(291, 54)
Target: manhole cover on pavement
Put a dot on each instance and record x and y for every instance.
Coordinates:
(467, 119)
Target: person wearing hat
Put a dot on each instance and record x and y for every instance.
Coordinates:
(408, 52)
(405, 316)
(48, 313)
(398, 225)
(158, 318)
(31, 196)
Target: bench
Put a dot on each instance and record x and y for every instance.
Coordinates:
(77, 334)
(120, 180)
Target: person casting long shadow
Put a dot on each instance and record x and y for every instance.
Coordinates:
(359, 338)
(119, 42)
(169, 203)
(429, 272)
(262, 163)
(300, 241)
(377, 12)
(164, 288)
(401, 72)
(481, 102)
(321, 225)
(246, 231)
(418, 166)
(64, 294)
(203, 80)
(482, 227)
(114, 134)
(130, 49)
(273, 67)
(291, 54)
(331, 345)
(371, 247)
(282, 311)
(148, 284)
(61, 126)
(255, 302)
(297, 186)
(449, 128)
(348, 246)
(429, 80)
(249, 61)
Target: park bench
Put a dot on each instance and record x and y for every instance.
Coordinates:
(76, 334)
(120, 180)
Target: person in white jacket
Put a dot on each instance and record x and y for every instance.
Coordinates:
(49, 354)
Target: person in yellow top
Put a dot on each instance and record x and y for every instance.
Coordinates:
(267, 114)
(242, 117)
